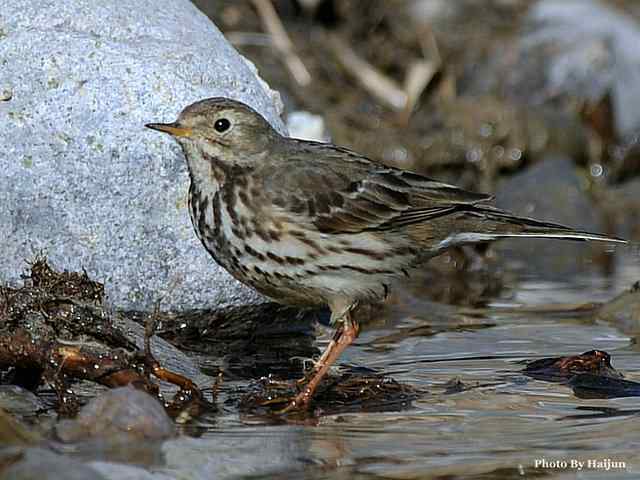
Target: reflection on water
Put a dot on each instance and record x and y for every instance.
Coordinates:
(479, 417)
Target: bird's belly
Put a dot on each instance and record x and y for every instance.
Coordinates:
(290, 272)
(295, 265)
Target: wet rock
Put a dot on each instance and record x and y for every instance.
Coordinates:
(42, 464)
(581, 49)
(246, 342)
(557, 369)
(236, 456)
(550, 190)
(623, 311)
(12, 432)
(19, 401)
(455, 385)
(121, 413)
(121, 425)
(168, 355)
(594, 386)
(621, 206)
(590, 374)
(83, 180)
(118, 471)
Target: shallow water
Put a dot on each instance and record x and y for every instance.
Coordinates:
(505, 425)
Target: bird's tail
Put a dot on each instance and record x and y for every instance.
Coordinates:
(494, 224)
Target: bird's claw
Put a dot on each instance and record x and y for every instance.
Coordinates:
(299, 404)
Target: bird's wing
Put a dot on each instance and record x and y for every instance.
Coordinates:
(339, 191)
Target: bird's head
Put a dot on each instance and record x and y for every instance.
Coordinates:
(220, 130)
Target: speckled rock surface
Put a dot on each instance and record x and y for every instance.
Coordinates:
(82, 180)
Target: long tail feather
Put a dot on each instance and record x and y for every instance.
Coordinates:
(496, 224)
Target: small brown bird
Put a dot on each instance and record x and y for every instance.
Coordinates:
(309, 223)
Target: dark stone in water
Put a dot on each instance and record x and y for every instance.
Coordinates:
(560, 369)
(550, 190)
(587, 385)
(590, 374)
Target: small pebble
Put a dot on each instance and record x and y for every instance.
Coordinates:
(307, 126)
(6, 94)
(116, 413)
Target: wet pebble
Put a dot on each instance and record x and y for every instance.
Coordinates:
(119, 471)
(558, 369)
(32, 463)
(623, 311)
(121, 413)
(237, 456)
(19, 401)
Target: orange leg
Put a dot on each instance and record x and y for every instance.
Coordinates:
(344, 336)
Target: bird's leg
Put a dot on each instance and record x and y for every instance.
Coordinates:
(317, 364)
(346, 333)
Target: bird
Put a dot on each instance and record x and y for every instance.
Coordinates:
(314, 224)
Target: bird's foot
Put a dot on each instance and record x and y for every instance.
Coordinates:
(309, 368)
(344, 336)
(300, 403)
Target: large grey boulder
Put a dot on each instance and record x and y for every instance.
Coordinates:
(81, 179)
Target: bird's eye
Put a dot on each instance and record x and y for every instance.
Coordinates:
(222, 125)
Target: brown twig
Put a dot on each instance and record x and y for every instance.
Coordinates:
(421, 72)
(375, 82)
(41, 322)
(61, 362)
(111, 368)
(189, 400)
(282, 42)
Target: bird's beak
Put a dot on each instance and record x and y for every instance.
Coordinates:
(171, 128)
